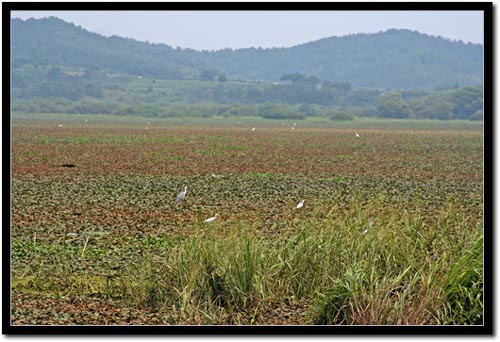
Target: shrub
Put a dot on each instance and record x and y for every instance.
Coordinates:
(341, 116)
(477, 116)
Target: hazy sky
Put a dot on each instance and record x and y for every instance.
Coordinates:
(237, 29)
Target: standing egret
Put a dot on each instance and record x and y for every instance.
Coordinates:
(300, 205)
(181, 195)
(357, 135)
(211, 219)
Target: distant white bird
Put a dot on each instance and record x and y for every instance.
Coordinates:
(367, 228)
(85, 120)
(295, 124)
(357, 135)
(181, 195)
(300, 205)
(60, 125)
(149, 123)
(253, 129)
(211, 219)
(293, 127)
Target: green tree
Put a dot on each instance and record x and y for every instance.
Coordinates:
(477, 115)
(208, 75)
(293, 77)
(435, 107)
(308, 109)
(393, 106)
(466, 101)
(54, 74)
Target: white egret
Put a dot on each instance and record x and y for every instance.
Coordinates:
(300, 205)
(357, 135)
(181, 195)
(253, 129)
(211, 219)
(367, 228)
(60, 125)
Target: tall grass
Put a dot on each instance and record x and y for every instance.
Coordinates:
(394, 271)
(347, 267)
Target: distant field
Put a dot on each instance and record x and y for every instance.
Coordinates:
(390, 232)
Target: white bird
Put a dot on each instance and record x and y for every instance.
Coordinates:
(181, 195)
(293, 127)
(85, 120)
(253, 129)
(357, 135)
(295, 124)
(367, 228)
(60, 125)
(211, 219)
(300, 205)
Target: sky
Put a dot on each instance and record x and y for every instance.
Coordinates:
(213, 30)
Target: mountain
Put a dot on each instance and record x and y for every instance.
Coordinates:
(391, 59)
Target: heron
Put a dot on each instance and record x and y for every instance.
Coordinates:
(181, 195)
(367, 228)
(300, 205)
(211, 219)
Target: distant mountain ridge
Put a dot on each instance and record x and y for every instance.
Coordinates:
(391, 59)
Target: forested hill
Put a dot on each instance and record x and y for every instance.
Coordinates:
(392, 59)
(52, 41)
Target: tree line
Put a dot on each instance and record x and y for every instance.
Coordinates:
(296, 96)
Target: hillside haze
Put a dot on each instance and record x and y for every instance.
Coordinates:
(392, 59)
